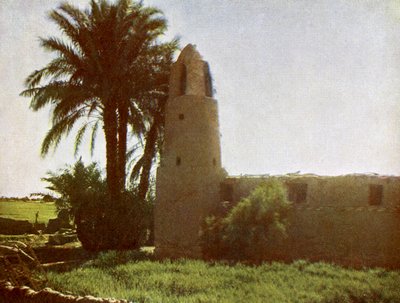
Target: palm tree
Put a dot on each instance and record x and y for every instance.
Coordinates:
(150, 147)
(152, 133)
(110, 69)
(150, 91)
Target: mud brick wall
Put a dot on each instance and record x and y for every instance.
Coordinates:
(351, 220)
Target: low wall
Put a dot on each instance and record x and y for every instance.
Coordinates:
(11, 294)
(16, 227)
(351, 220)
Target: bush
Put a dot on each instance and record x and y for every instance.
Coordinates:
(248, 229)
(101, 223)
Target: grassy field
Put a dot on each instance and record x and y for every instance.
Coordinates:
(132, 276)
(20, 210)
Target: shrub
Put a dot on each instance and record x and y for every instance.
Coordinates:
(211, 238)
(248, 229)
(101, 223)
(104, 224)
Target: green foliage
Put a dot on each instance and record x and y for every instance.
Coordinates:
(246, 232)
(76, 185)
(102, 223)
(130, 276)
(211, 236)
(121, 224)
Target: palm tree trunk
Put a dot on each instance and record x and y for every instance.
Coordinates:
(148, 156)
(110, 131)
(122, 133)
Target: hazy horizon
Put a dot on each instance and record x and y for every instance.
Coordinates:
(309, 86)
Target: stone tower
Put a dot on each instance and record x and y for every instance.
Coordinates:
(189, 175)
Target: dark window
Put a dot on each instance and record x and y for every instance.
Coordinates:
(181, 116)
(375, 194)
(208, 81)
(214, 162)
(297, 192)
(178, 161)
(183, 81)
(226, 192)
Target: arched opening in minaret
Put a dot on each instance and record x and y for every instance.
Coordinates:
(207, 81)
(182, 80)
(178, 161)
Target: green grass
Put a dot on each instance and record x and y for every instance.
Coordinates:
(20, 210)
(131, 276)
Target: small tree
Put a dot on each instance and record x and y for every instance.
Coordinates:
(246, 232)
(73, 184)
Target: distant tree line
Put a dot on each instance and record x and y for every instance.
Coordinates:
(34, 197)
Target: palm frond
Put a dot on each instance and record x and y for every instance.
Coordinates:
(53, 136)
(93, 137)
(41, 96)
(66, 94)
(79, 17)
(56, 69)
(66, 25)
(64, 49)
(29, 92)
(138, 145)
(122, 8)
(135, 172)
(70, 100)
(78, 138)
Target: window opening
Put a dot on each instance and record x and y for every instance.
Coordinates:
(375, 194)
(297, 192)
(208, 81)
(183, 81)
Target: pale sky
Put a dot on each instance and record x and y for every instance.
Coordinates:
(310, 86)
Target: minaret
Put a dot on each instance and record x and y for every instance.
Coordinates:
(189, 175)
